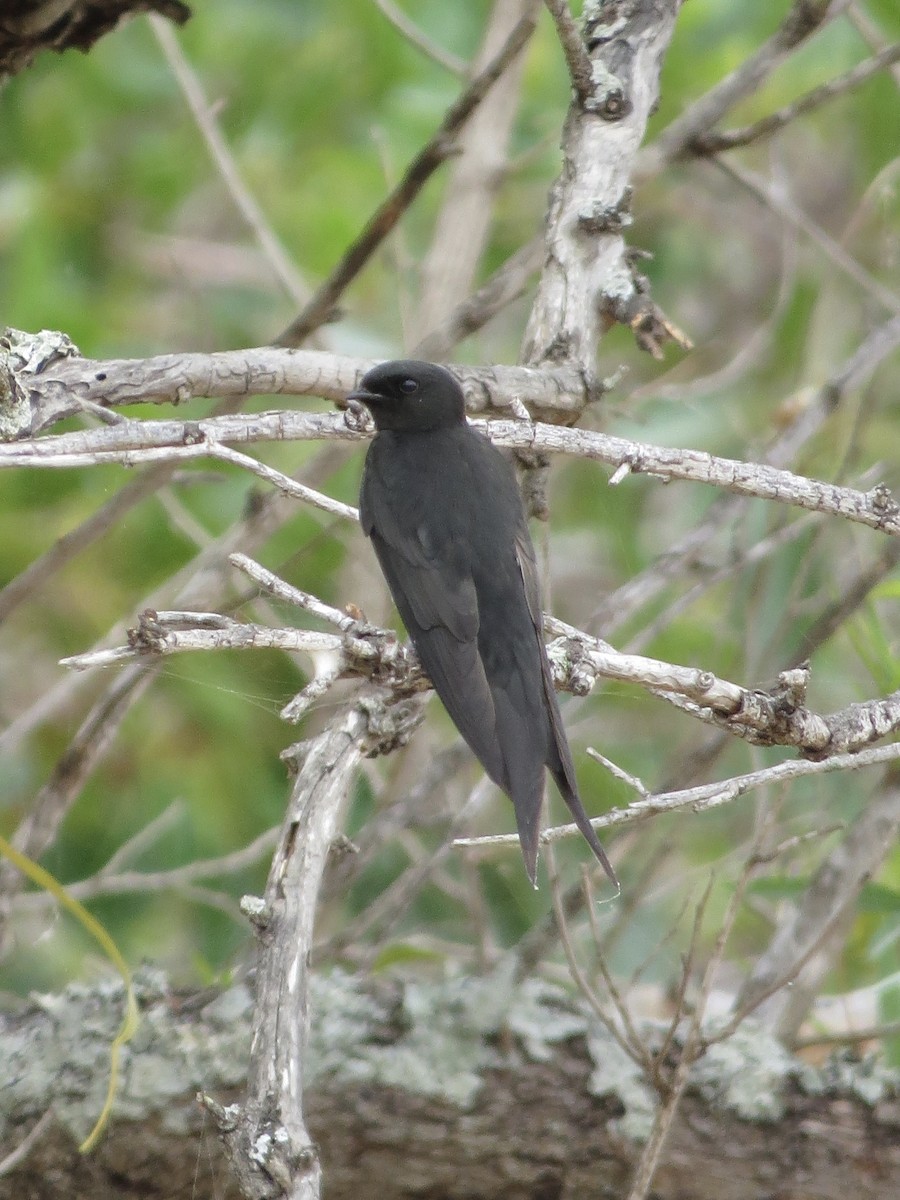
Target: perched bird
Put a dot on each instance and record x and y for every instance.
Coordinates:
(445, 515)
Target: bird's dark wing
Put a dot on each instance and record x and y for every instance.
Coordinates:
(436, 598)
(559, 759)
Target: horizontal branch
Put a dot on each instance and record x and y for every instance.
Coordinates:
(138, 442)
(707, 796)
(776, 717)
(47, 380)
(773, 717)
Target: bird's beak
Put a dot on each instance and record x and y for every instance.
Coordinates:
(364, 397)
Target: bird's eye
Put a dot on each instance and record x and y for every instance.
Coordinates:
(409, 386)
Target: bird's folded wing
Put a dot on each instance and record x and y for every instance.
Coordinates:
(439, 608)
(528, 568)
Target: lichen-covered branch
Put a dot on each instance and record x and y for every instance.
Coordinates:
(489, 1065)
(589, 280)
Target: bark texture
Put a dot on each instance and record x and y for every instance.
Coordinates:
(458, 1090)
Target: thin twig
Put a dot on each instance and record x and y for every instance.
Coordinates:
(870, 33)
(507, 284)
(785, 208)
(108, 882)
(164, 823)
(852, 373)
(322, 305)
(578, 976)
(577, 58)
(16, 1157)
(286, 273)
(281, 590)
(705, 797)
(714, 143)
(69, 545)
(676, 141)
(845, 1037)
(414, 35)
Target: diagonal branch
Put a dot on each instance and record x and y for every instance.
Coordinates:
(714, 143)
(322, 305)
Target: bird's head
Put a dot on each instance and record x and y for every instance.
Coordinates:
(411, 397)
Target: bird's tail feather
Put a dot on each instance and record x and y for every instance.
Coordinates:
(576, 808)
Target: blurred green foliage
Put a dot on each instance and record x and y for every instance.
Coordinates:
(116, 227)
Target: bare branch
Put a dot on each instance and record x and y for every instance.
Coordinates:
(870, 33)
(589, 280)
(321, 307)
(851, 374)
(267, 1138)
(805, 941)
(285, 272)
(110, 882)
(49, 389)
(136, 443)
(714, 143)
(463, 223)
(507, 284)
(806, 17)
(774, 199)
(577, 57)
(69, 545)
(414, 35)
(10, 1161)
(710, 795)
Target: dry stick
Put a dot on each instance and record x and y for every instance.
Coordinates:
(873, 1033)
(790, 212)
(692, 1047)
(321, 307)
(507, 284)
(38, 829)
(854, 372)
(853, 595)
(757, 554)
(196, 585)
(110, 882)
(706, 796)
(800, 946)
(414, 35)
(676, 140)
(383, 911)
(286, 273)
(687, 968)
(776, 718)
(267, 1138)
(589, 280)
(24, 1148)
(663, 849)
(59, 391)
(463, 222)
(635, 1051)
(69, 545)
(152, 441)
(577, 58)
(870, 33)
(418, 806)
(714, 143)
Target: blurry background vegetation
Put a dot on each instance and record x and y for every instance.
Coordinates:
(116, 228)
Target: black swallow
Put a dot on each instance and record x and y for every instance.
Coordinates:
(445, 515)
